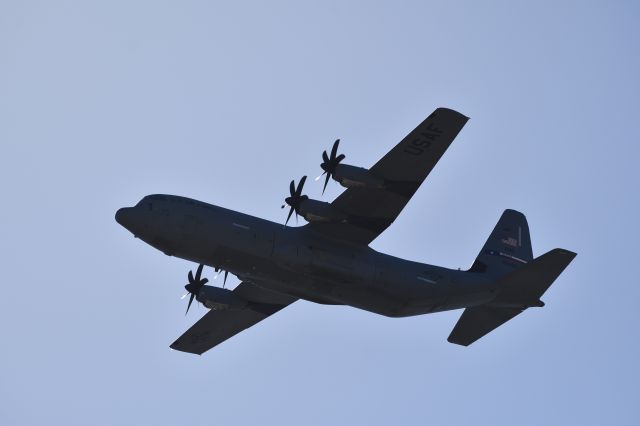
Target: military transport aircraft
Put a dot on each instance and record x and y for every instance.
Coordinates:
(329, 260)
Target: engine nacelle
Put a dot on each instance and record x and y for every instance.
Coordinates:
(220, 298)
(319, 211)
(356, 177)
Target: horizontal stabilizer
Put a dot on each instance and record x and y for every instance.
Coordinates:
(519, 290)
(528, 283)
(477, 321)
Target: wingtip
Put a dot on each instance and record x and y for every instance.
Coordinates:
(450, 110)
(566, 252)
(451, 339)
(174, 347)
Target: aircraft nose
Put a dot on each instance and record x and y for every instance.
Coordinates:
(123, 216)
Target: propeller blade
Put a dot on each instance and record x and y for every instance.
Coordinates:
(300, 186)
(225, 278)
(189, 305)
(190, 277)
(292, 188)
(203, 282)
(340, 158)
(325, 157)
(326, 181)
(289, 215)
(334, 150)
(199, 272)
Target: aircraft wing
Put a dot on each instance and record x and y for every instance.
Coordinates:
(216, 326)
(370, 211)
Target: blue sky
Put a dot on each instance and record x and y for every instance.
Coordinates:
(103, 103)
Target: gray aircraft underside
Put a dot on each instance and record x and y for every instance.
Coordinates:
(329, 260)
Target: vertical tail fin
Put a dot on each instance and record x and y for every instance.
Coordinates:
(508, 246)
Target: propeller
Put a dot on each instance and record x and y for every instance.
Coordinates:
(330, 163)
(296, 198)
(219, 270)
(195, 285)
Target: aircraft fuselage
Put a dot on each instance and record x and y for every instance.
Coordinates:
(300, 262)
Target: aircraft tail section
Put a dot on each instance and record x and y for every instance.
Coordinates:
(527, 284)
(508, 246)
(521, 280)
(518, 290)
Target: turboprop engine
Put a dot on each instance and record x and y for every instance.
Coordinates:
(220, 298)
(354, 177)
(211, 297)
(311, 210)
(346, 175)
(319, 211)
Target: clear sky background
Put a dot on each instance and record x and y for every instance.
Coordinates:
(102, 103)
